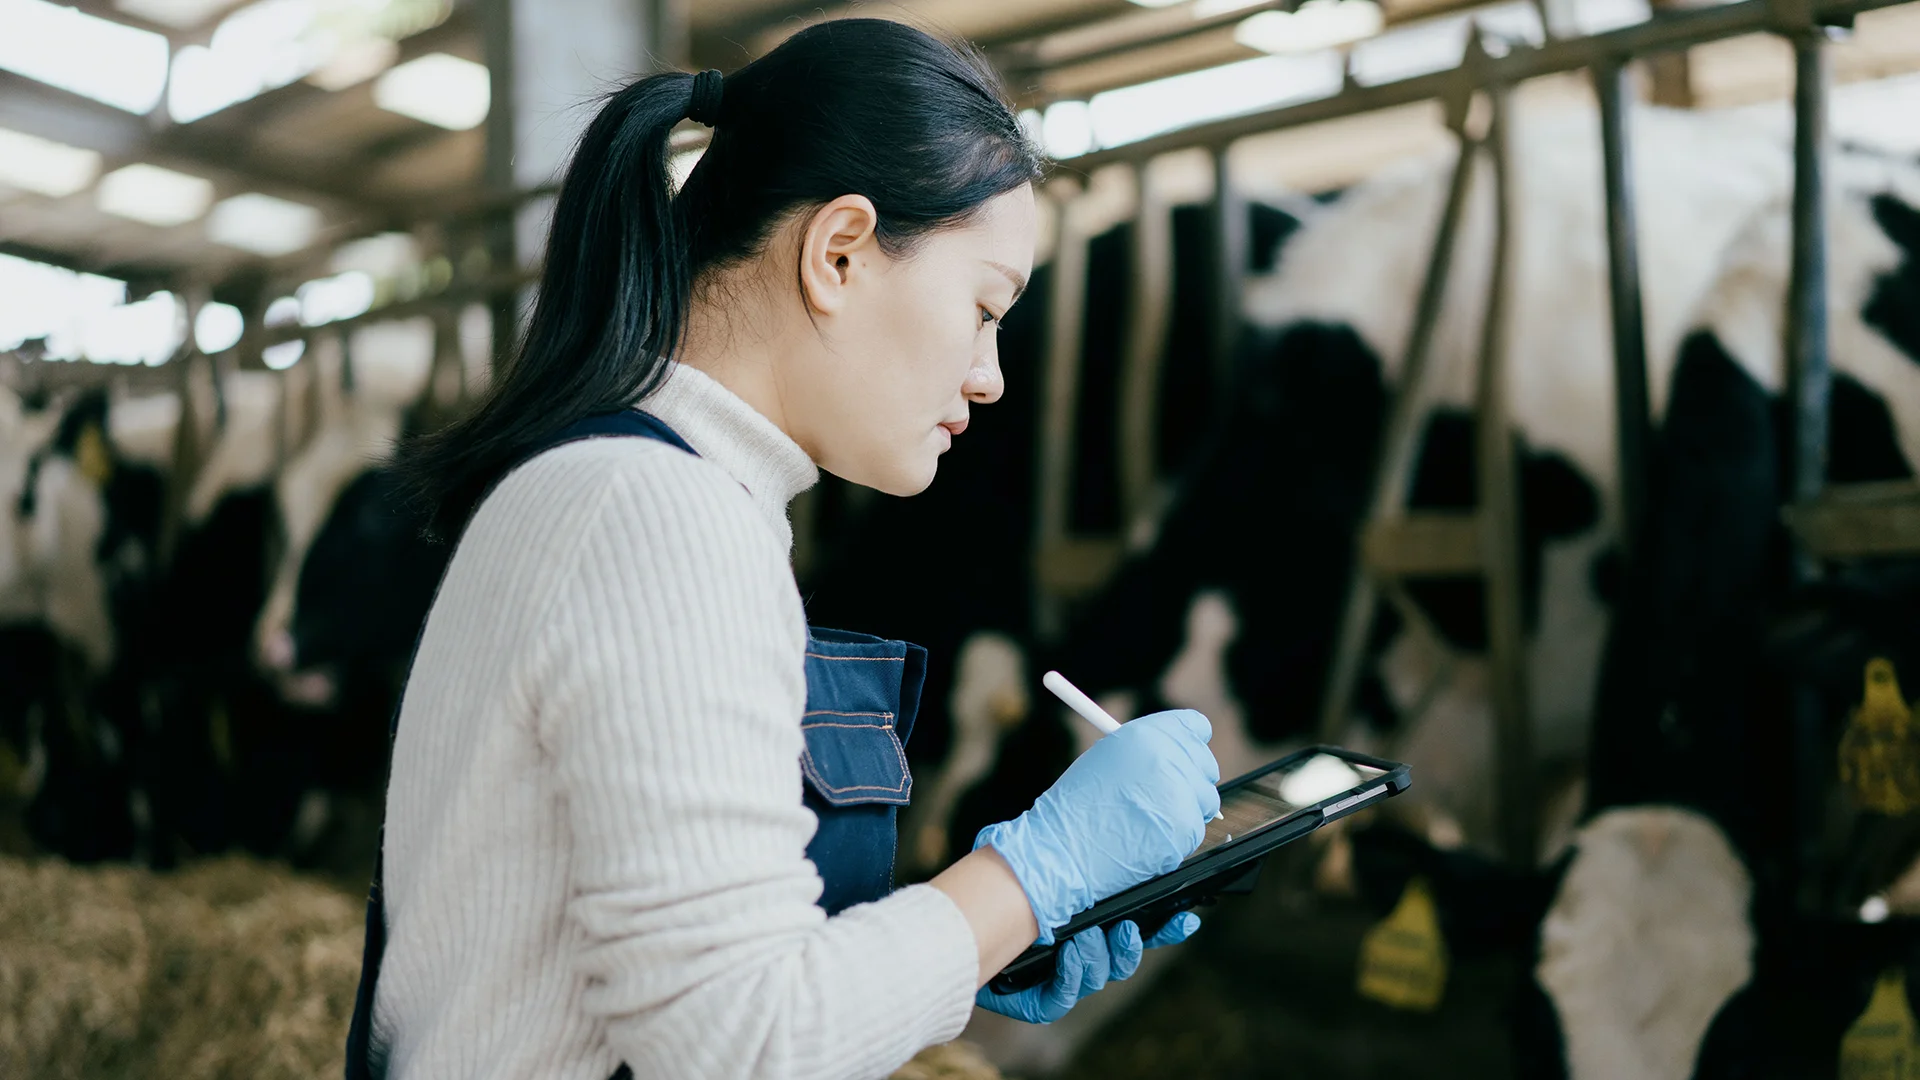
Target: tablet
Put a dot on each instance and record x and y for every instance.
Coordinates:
(1278, 802)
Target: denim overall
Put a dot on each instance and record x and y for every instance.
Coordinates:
(862, 695)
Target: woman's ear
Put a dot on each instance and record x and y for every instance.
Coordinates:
(839, 238)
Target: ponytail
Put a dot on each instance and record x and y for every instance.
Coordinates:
(611, 309)
(862, 106)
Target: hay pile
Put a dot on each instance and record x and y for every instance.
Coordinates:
(954, 1061)
(229, 968)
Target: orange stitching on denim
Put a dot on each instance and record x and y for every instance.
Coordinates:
(830, 712)
(899, 753)
(891, 659)
(812, 771)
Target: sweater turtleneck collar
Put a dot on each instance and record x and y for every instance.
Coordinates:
(727, 431)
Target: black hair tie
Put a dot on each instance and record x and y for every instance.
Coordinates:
(705, 106)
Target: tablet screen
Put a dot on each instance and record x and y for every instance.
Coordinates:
(1276, 795)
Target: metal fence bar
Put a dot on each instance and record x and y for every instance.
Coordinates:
(1058, 405)
(1808, 374)
(1623, 281)
(1499, 497)
(1145, 350)
(1808, 383)
(1229, 233)
(1668, 31)
(1393, 471)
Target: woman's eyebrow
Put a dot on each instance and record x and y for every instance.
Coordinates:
(1019, 283)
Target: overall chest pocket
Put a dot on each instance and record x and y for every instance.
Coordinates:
(855, 757)
(862, 695)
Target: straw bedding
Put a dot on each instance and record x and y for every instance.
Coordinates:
(229, 968)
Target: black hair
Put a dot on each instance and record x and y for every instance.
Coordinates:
(854, 106)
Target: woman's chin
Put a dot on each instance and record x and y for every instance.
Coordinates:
(913, 482)
(900, 478)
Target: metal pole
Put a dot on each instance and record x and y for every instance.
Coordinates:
(1393, 471)
(672, 41)
(1629, 331)
(1061, 391)
(1808, 383)
(1500, 519)
(497, 174)
(1677, 29)
(1230, 242)
(1809, 378)
(1146, 348)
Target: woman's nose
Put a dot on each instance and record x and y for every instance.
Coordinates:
(984, 384)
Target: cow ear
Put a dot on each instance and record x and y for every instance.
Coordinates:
(95, 460)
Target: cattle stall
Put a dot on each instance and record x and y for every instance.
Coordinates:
(215, 670)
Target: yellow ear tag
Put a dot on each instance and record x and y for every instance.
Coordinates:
(1880, 752)
(96, 463)
(1403, 960)
(1882, 1044)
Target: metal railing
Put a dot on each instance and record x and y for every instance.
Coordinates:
(1394, 543)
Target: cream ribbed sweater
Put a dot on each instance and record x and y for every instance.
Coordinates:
(595, 842)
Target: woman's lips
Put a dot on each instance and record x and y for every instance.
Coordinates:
(955, 426)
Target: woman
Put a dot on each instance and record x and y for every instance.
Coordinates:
(640, 818)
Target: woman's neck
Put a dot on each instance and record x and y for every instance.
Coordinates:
(740, 346)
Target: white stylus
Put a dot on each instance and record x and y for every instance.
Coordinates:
(1077, 700)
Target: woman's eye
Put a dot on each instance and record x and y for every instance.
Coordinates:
(987, 317)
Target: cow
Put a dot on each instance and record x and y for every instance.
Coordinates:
(1677, 888)
(216, 699)
(323, 583)
(84, 526)
(1249, 564)
(1664, 937)
(1286, 479)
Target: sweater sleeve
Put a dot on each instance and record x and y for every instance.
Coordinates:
(670, 682)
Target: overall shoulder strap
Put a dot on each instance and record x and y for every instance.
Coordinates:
(630, 423)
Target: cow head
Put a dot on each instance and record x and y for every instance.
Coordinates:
(86, 528)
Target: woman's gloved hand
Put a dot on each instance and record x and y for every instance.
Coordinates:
(1088, 961)
(1130, 808)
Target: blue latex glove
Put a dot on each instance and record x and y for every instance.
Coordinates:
(1130, 808)
(1088, 961)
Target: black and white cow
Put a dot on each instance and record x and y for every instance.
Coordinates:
(193, 737)
(305, 654)
(1671, 900)
(1246, 570)
(1266, 520)
(83, 524)
(1664, 943)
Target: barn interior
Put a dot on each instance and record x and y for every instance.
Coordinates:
(1524, 390)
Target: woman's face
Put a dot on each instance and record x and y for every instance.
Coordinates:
(905, 346)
